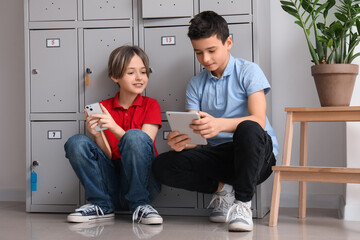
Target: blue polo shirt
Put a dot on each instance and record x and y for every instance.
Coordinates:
(227, 97)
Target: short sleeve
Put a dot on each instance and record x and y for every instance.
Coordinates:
(193, 97)
(153, 113)
(254, 79)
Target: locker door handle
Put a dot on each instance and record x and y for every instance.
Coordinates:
(88, 71)
(35, 71)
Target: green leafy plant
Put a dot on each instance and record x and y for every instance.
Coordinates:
(328, 43)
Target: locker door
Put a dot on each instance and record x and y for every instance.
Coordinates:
(54, 74)
(242, 41)
(54, 10)
(167, 8)
(172, 69)
(98, 44)
(226, 7)
(107, 9)
(56, 180)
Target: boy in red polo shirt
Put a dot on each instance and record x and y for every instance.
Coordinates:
(115, 167)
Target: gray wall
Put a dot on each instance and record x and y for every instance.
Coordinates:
(12, 101)
(292, 85)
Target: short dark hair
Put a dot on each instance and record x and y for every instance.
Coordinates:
(120, 58)
(207, 24)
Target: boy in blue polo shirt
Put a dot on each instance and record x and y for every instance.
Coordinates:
(229, 95)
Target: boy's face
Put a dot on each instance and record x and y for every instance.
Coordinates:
(212, 53)
(135, 79)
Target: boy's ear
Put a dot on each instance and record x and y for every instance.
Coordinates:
(229, 43)
(114, 80)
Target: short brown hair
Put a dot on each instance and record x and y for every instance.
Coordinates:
(120, 58)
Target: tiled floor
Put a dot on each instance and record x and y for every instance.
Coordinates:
(16, 224)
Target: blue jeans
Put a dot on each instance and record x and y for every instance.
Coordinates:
(121, 184)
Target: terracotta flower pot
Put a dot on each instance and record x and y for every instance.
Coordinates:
(335, 83)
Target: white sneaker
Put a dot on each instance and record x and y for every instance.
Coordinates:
(146, 214)
(240, 217)
(88, 213)
(222, 203)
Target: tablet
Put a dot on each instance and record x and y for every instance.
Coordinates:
(180, 121)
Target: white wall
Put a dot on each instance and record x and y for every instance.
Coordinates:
(12, 101)
(293, 86)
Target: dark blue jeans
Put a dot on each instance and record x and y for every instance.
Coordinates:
(243, 163)
(115, 184)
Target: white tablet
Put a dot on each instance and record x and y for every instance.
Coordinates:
(180, 121)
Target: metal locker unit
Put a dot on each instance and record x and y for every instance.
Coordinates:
(56, 181)
(167, 8)
(241, 34)
(172, 70)
(61, 42)
(55, 10)
(226, 7)
(107, 9)
(54, 73)
(98, 44)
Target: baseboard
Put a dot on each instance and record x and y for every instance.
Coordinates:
(12, 195)
(349, 212)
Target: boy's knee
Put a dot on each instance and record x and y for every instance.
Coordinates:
(75, 143)
(247, 132)
(248, 128)
(135, 136)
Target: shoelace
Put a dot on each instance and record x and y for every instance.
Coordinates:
(90, 208)
(222, 200)
(241, 209)
(144, 209)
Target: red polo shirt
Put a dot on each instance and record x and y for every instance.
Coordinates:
(143, 110)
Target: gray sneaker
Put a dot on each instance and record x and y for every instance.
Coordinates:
(222, 202)
(146, 214)
(240, 217)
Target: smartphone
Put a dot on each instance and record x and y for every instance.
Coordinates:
(94, 108)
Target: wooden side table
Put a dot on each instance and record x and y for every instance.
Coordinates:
(304, 173)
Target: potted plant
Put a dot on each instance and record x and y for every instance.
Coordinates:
(331, 45)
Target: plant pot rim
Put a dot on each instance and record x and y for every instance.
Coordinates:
(335, 68)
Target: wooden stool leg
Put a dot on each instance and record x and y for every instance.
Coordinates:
(303, 162)
(275, 201)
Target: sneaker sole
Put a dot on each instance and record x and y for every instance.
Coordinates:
(218, 219)
(82, 219)
(239, 227)
(152, 221)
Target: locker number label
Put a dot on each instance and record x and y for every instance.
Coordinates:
(168, 40)
(165, 134)
(52, 42)
(54, 134)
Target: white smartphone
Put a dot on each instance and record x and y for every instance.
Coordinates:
(94, 108)
(180, 121)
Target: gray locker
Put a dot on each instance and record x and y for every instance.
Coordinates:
(242, 41)
(55, 10)
(161, 141)
(107, 9)
(54, 74)
(175, 198)
(167, 8)
(98, 44)
(226, 7)
(173, 69)
(56, 180)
